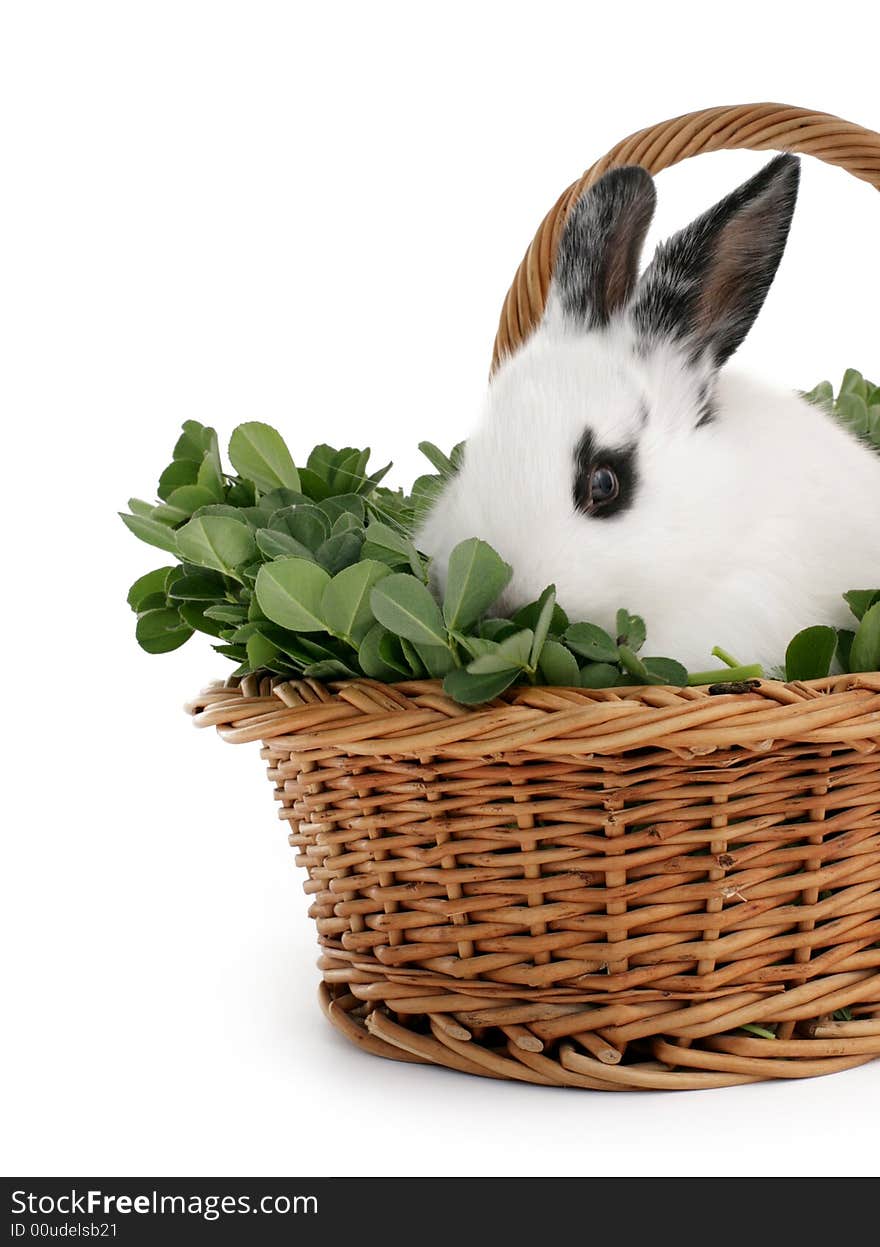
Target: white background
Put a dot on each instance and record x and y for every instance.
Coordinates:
(309, 214)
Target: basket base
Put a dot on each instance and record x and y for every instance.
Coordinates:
(514, 1053)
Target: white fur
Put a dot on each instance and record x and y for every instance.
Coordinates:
(742, 532)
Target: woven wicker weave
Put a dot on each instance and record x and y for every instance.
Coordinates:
(593, 888)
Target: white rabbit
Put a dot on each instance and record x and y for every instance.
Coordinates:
(617, 462)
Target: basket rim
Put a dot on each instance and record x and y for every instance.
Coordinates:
(417, 719)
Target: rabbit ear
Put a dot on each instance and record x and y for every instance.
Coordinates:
(597, 262)
(707, 284)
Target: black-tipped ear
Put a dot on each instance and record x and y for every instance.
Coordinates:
(707, 284)
(597, 263)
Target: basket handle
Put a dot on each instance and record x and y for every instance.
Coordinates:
(758, 127)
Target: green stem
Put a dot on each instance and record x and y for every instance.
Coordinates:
(762, 1031)
(633, 665)
(727, 675)
(723, 656)
(453, 649)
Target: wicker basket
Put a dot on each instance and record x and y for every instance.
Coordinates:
(585, 888)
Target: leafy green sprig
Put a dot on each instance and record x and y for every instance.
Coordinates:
(818, 651)
(856, 406)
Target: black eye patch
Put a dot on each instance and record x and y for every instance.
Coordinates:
(605, 480)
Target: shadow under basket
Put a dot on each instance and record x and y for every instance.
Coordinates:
(601, 889)
(619, 889)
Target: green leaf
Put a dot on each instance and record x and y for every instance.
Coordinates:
(591, 642)
(476, 646)
(279, 545)
(417, 670)
(810, 654)
(193, 441)
(171, 516)
(344, 504)
(853, 383)
(476, 577)
(631, 630)
(259, 454)
(599, 675)
(178, 473)
(513, 652)
(845, 638)
(242, 634)
(405, 607)
(160, 631)
(260, 651)
(137, 506)
(306, 523)
(348, 471)
(391, 652)
(633, 665)
(547, 607)
(346, 523)
(241, 515)
(345, 606)
(154, 532)
(227, 613)
(383, 543)
(195, 615)
(437, 459)
(471, 690)
(853, 411)
(865, 652)
(371, 660)
(329, 669)
(340, 551)
(218, 542)
(822, 395)
(527, 616)
(200, 587)
(436, 659)
(188, 498)
(313, 486)
(210, 474)
(368, 486)
(500, 629)
(289, 592)
(321, 461)
(152, 585)
(666, 671)
(425, 492)
(302, 650)
(861, 600)
(558, 665)
(280, 499)
(241, 493)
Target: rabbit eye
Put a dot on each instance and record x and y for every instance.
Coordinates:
(606, 479)
(604, 487)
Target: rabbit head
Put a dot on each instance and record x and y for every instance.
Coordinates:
(615, 458)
